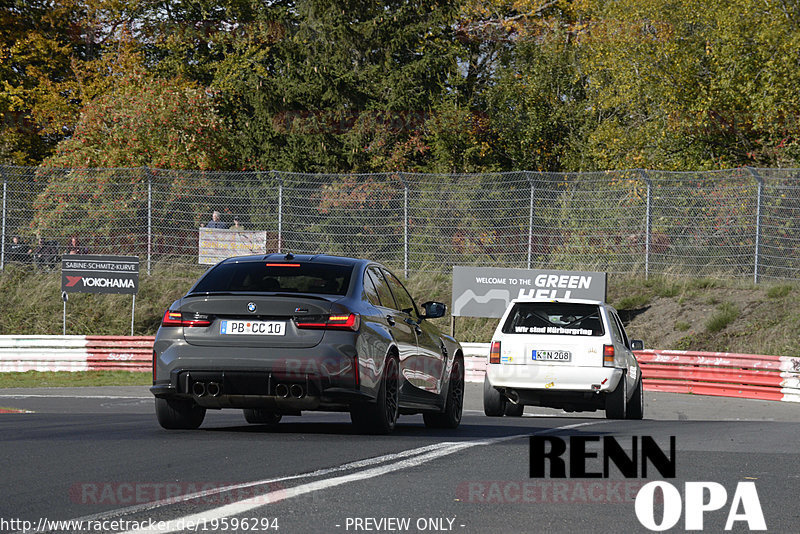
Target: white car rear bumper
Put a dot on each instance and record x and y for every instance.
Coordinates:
(554, 377)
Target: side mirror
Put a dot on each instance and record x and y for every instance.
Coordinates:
(637, 344)
(434, 310)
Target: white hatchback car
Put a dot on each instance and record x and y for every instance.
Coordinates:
(567, 354)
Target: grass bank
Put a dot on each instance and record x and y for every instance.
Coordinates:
(36, 379)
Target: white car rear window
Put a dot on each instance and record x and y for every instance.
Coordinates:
(554, 318)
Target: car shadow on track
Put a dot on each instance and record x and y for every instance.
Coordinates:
(464, 431)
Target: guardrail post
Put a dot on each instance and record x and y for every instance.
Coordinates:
(530, 219)
(3, 231)
(647, 225)
(760, 182)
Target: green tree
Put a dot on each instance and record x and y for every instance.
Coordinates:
(37, 43)
(145, 121)
(691, 85)
(344, 88)
(141, 121)
(520, 94)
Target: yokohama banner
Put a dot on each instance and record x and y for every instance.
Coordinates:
(82, 273)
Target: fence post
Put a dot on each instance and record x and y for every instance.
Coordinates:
(647, 224)
(405, 223)
(3, 231)
(280, 209)
(149, 218)
(530, 219)
(760, 182)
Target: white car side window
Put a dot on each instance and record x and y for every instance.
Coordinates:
(615, 333)
(624, 335)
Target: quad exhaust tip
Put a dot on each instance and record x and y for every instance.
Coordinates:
(282, 390)
(199, 389)
(297, 391)
(214, 389)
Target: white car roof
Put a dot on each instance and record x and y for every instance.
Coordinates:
(570, 301)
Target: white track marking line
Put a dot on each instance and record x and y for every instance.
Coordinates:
(278, 495)
(233, 487)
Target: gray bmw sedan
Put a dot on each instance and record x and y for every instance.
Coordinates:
(278, 334)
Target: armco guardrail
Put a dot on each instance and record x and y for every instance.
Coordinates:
(76, 353)
(475, 355)
(722, 373)
(702, 373)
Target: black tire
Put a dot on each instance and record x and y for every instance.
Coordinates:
(451, 417)
(514, 410)
(381, 417)
(176, 414)
(636, 404)
(257, 416)
(494, 404)
(617, 401)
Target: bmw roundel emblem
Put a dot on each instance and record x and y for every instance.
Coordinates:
(251, 307)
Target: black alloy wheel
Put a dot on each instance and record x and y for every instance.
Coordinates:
(451, 416)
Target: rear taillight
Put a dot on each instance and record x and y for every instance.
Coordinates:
(172, 318)
(331, 322)
(608, 355)
(494, 352)
(154, 367)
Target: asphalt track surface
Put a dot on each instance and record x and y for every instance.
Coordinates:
(98, 455)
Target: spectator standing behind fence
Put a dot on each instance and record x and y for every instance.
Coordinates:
(236, 225)
(75, 247)
(18, 251)
(45, 254)
(215, 222)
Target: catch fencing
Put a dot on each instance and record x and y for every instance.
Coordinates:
(737, 223)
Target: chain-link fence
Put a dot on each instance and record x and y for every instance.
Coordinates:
(738, 223)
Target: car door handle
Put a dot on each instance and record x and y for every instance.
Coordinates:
(411, 322)
(390, 320)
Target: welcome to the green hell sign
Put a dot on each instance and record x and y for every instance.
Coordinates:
(487, 291)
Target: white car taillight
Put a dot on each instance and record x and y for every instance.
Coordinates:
(608, 356)
(494, 352)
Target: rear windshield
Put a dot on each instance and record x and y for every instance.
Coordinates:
(258, 277)
(554, 318)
